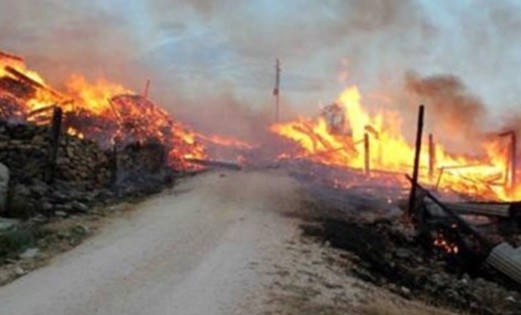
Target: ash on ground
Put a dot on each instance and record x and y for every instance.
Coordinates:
(388, 253)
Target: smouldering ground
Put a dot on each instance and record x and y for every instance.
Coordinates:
(219, 243)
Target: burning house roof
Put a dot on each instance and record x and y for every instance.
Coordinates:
(102, 111)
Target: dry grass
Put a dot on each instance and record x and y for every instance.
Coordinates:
(389, 308)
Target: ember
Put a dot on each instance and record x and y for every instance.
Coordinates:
(441, 242)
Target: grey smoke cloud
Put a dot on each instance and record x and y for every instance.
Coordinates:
(203, 55)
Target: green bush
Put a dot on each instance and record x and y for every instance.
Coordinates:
(16, 241)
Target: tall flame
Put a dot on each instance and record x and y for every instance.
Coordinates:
(102, 111)
(390, 152)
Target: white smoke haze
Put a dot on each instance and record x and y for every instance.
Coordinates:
(212, 62)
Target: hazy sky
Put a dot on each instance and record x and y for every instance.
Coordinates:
(223, 51)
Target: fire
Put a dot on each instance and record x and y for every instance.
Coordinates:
(73, 132)
(442, 243)
(17, 63)
(102, 111)
(359, 139)
(94, 96)
(225, 141)
(346, 135)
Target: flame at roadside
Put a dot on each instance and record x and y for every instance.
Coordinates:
(484, 175)
(102, 111)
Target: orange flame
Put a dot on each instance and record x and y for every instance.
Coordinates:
(94, 97)
(91, 110)
(390, 152)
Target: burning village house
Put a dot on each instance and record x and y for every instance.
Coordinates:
(93, 136)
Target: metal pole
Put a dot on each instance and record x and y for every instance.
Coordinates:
(412, 196)
(367, 155)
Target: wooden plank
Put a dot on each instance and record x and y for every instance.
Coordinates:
(22, 77)
(216, 164)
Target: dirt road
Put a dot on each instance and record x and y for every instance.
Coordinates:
(218, 243)
(188, 251)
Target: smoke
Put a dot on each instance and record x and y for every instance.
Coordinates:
(212, 62)
(451, 110)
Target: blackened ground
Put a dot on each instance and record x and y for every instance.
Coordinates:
(389, 257)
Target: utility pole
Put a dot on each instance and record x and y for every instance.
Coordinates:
(276, 90)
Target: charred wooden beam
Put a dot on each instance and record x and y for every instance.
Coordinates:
(419, 132)
(56, 127)
(10, 56)
(503, 210)
(455, 167)
(462, 224)
(115, 111)
(24, 78)
(320, 153)
(42, 110)
(216, 164)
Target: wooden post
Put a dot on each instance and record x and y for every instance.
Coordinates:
(432, 157)
(367, 155)
(513, 166)
(147, 89)
(114, 163)
(276, 90)
(54, 144)
(419, 132)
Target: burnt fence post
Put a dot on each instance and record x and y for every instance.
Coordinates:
(432, 156)
(114, 163)
(513, 164)
(54, 144)
(419, 132)
(367, 156)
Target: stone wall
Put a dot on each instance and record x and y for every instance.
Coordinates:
(24, 150)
